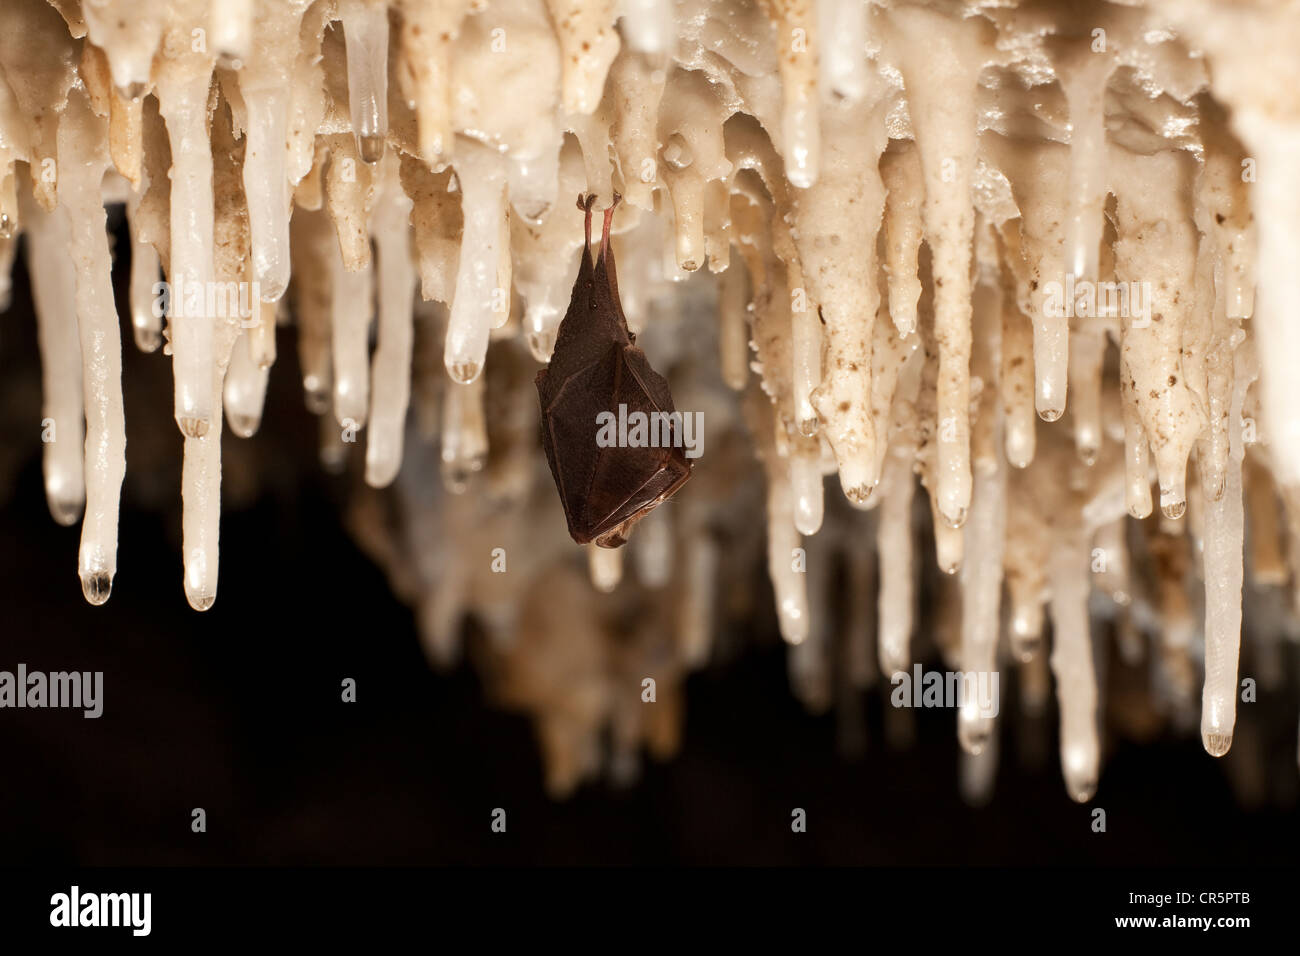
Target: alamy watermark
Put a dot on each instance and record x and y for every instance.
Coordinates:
(75, 908)
(1086, 299)
(76, 690)
(955, 689)
(213, 300)
(639, 429)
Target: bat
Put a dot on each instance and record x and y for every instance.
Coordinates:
(595, 368)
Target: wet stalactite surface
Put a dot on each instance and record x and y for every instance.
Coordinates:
(238, 711)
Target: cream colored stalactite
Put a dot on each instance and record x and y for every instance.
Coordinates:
(1084, 73)
(1016, 376)
(806, 489)
(1156, 245)
(843, 26)
(1036, 172)
(54, 283)
(391, 370)
(652, 554)
(365, 33)
(941, 58)
(805, 335)
(265, 85)
(794, 24)
(1225, 284)
(1223, 573)
(244, 390)
(545, 257)
(1072, 665)
(261, 338)
(648, 26)
(1087, 354)
(1265, 115)
(479, 301)
(835, 225)
(733, 325)
(146, 317)
(129, 31)
(1137, 450)
(947, 539)
(125, 145)
(890, 355)
(464, 433)
(125, 137)
(201, 469)
(38, 61)
(307, 106)
(183, 78)
(436, 218)
(901, 170)
(429, 32)
(984, 534)
(636, 84)
(894, 536)
(784, 553)
(605, 567)
(230, 30)
(588, 44)
(83, 151)
(693, 156)
(314, 246)
(1025, 559)
(349, 194)
(201, 489)
(351, 311)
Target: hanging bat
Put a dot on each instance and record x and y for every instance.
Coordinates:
(596, 368)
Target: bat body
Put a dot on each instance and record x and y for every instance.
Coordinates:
(596, 368)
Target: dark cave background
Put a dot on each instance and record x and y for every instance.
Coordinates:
(238, 710)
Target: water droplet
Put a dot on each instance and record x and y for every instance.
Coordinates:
(974, 735)
(6, 226)
(148, 340)
(200, 602)
(954, 521)
(859, 496)
(808, 426)
(1172, 508)
(541, 344)
(245, 426)
(371, 148)
(193, 427)
(65, 512)
(1050, 414)
(1216, 745)
(463, 372)
(1083, 790)
(97, 586)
